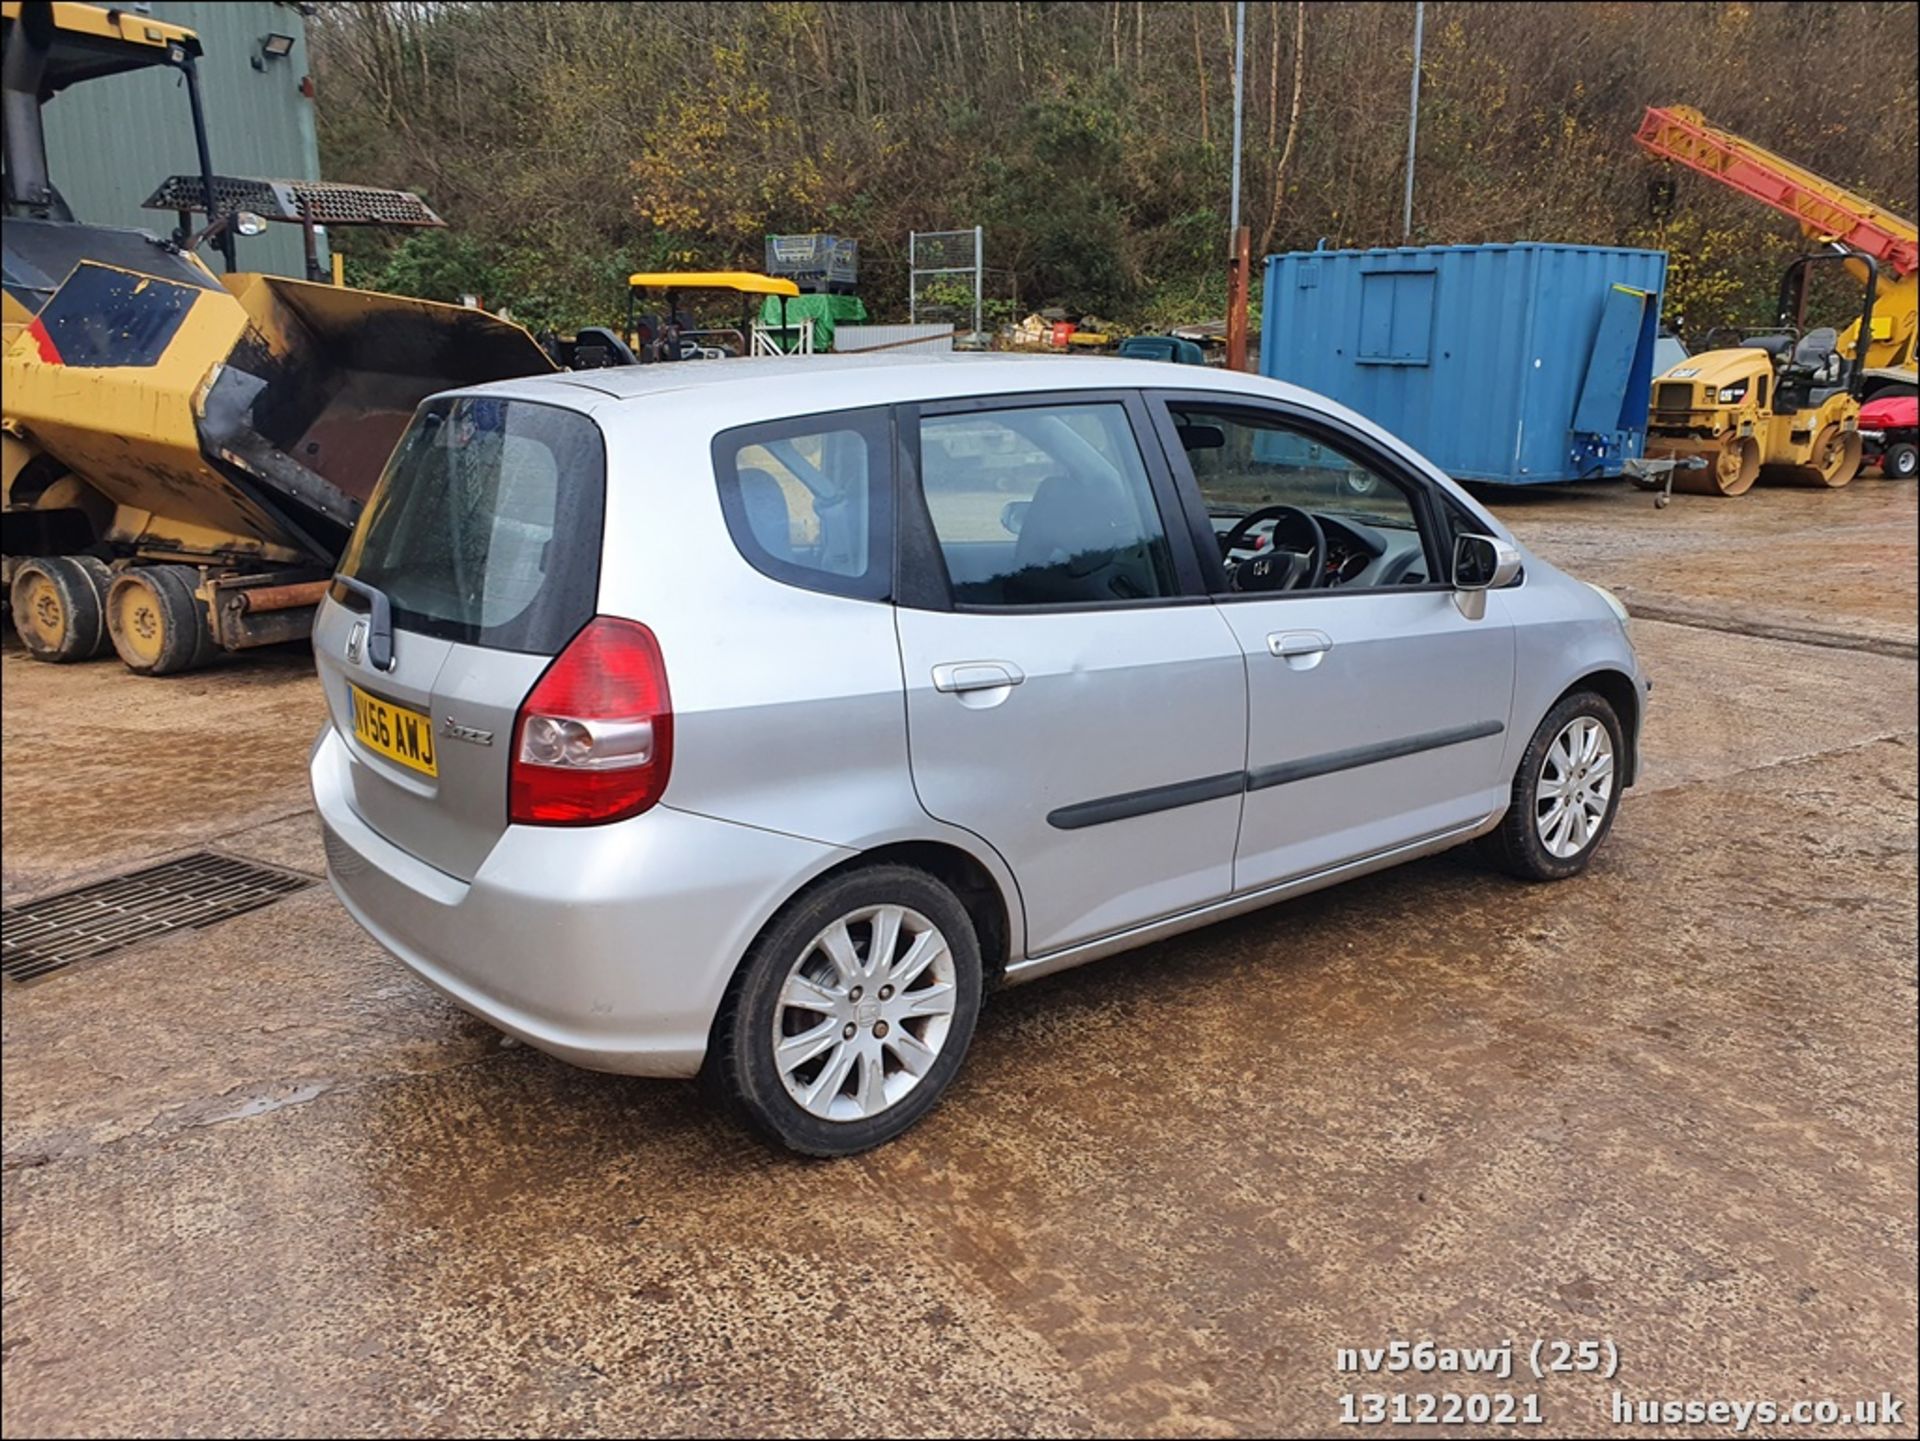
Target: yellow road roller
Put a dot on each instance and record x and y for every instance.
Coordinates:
(1781, 404)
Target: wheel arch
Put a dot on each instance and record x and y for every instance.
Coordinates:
(977, 885)
(982, 887)
(1619, 690)
(50, 510)
(991, 903)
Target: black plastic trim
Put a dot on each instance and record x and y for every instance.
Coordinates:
(1129, 804)
(1321, 765)
(1142, 803)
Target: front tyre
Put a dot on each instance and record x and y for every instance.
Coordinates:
(1565, 793)
(852, 1012)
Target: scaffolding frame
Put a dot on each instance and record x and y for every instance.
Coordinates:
(945, 246)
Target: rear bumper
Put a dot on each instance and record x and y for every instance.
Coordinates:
(607, 946)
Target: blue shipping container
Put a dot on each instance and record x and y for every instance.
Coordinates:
(1511, 364)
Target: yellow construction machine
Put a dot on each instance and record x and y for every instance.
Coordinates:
(1783, 403)
(185, 454)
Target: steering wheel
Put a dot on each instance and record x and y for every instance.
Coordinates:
(1278, 568)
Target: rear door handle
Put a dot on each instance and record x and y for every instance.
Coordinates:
(957, 677)
(1288, 644)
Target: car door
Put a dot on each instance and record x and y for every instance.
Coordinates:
(1377, 709)
(1073, 696)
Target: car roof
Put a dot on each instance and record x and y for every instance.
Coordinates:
(716, 394)
(857, 380)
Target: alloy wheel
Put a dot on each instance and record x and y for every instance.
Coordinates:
(1575, 787)
(864, 1013)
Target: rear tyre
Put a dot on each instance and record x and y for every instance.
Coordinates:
(1833, 461)
(1901, 462)
(1565, 793)
(851, 1014)
(56, 603)
(157, 625)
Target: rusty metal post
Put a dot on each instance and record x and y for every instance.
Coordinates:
(1237, 301)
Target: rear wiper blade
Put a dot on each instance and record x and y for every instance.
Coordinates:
(379, 620)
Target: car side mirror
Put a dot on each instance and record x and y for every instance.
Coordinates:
(1481, 563)
(1013, 515)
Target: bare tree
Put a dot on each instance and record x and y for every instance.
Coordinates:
(1293, 127)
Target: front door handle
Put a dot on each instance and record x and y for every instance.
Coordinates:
(958, 677)
(1288, 644)
(1300, 649)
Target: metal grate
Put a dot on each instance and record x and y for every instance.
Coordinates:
(321, 201)
(38, 937)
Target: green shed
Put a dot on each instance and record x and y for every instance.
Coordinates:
(112, 141)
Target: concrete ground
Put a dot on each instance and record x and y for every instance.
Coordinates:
(257, 1179)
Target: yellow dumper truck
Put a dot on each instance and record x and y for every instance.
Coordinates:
(185, 453)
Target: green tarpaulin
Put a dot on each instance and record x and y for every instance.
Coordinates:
(824, 311)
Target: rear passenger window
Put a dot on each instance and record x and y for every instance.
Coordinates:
(1043, 505)
(807, 501)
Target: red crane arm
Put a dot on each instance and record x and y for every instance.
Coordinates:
(1822, 208)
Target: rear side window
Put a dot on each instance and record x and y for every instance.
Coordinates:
(809, 501)
(485, 528)
(1043, 505)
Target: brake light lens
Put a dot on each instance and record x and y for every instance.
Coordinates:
(593, 741)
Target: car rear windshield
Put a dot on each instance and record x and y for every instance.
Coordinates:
(485, 528)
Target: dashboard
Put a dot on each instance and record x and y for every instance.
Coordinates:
(1359, 555)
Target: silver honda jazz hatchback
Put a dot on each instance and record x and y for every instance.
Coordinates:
(754, 719)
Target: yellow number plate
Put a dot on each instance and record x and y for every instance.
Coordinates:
(394, 731)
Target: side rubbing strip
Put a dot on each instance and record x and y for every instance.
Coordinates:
(1141, 803)
(1321, 765)
(1211, 788)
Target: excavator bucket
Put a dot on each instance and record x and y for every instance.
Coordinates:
(248, 417)
(215, 438)
(326, 379)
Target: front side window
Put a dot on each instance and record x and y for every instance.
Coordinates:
(806, 500)
(485, 527)
(1043, 505)
(1292, 512)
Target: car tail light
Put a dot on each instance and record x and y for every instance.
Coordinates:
(594, 738)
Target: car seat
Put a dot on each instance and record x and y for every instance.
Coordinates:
(1817, 354)
(765, 504)
(1079, 541)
